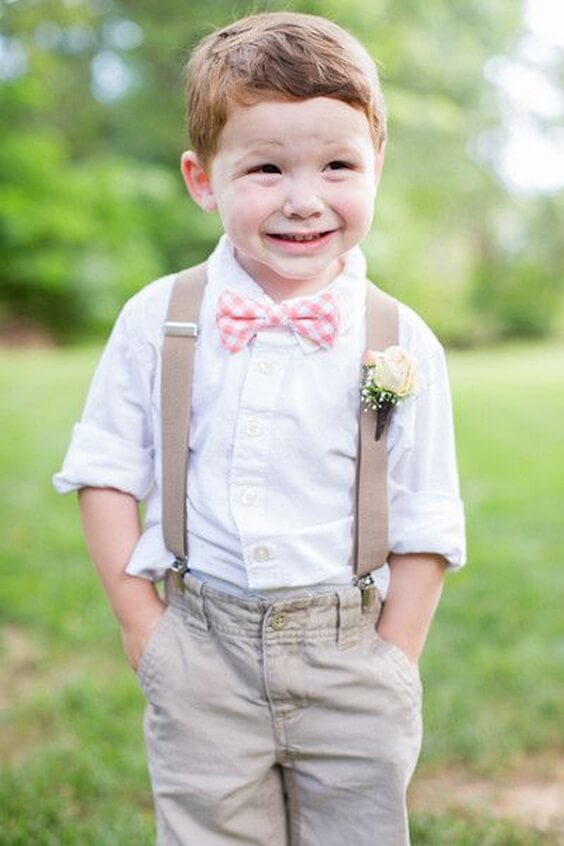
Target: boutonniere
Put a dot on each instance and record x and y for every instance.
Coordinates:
(388, 377)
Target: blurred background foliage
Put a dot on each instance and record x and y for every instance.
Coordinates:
(93, 206)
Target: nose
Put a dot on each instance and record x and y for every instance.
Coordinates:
(302, 200)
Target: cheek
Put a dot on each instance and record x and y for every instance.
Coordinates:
(244, 214)
(357, 206)
(247, 204)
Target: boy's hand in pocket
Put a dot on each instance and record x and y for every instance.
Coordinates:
(136, 632)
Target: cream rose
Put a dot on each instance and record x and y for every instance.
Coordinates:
(393, 370)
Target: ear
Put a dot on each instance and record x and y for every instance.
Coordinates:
(197, 181)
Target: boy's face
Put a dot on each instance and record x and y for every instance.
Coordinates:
(294, 183)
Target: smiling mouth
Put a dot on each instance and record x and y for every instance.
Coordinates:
(306, 236)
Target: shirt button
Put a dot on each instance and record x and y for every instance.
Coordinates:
(253, 428)
(262, 553)
(266, 367)
(249, 496)
(279, 620)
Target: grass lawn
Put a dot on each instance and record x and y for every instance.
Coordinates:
(70, 711)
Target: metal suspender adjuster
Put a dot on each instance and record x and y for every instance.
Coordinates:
(367, 587)
(179, 329)
(179, 569)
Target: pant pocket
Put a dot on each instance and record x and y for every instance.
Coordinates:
(405, 670)
(148, 661)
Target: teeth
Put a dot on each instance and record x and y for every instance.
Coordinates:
(311, 237)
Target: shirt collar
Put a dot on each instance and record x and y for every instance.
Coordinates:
(224, 271)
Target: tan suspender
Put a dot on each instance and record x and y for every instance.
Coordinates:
(181, 330)
(372, 545)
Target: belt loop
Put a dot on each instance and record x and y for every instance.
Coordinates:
(190, 598)
(204, 608)
(339, 637)
(348, 618)
(196, 602)
(170, 586)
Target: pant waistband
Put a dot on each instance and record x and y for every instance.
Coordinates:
(337, 614)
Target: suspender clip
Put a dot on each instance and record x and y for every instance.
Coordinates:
(179, 569)
(367, 587)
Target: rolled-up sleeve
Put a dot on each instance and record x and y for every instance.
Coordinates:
(426, 512)
(112, 445)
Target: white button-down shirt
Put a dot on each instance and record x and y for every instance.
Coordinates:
(273, 442)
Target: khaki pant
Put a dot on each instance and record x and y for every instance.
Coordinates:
(277, 723)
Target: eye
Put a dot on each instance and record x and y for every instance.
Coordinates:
(339, 164)
(266, 168)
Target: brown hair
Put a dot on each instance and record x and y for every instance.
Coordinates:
(285, 55)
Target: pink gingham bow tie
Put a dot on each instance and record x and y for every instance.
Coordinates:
(240, 318)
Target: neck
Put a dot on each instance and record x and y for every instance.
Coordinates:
(281, 288)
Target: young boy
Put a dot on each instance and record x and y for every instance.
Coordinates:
(281, 707)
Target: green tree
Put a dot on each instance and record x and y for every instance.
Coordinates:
(92, 98)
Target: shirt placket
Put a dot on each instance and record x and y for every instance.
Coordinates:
(255, 436)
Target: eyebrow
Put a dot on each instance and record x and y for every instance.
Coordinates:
(257, 146)
(260, 151)
(263, 148)
(341, 143)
